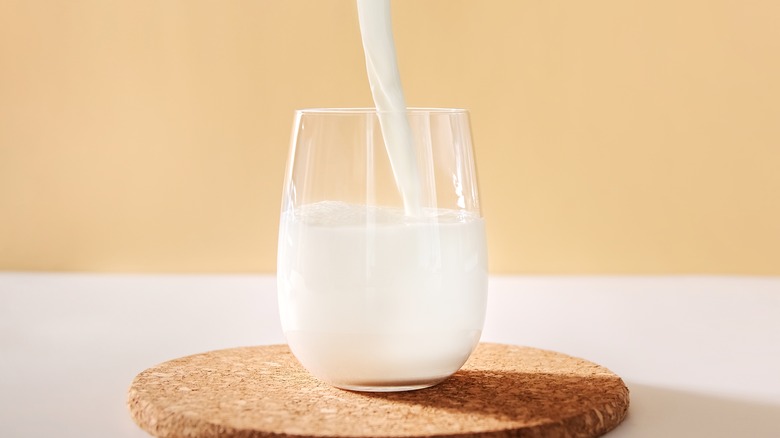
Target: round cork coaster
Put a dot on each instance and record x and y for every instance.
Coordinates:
(502, 391)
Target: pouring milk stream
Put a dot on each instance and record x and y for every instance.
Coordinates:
(382, 67)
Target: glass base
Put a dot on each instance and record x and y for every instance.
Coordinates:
(390, 386)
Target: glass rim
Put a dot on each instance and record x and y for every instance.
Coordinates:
(371, 110)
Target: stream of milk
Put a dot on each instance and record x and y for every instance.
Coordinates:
(382, 67)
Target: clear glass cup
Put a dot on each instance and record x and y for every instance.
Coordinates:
(376, 295)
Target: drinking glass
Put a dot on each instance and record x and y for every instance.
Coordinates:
(382, 259)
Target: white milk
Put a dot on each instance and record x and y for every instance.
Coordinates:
(383, 76)
(400, 302)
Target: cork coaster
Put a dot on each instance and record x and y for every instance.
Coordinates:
(502, 391)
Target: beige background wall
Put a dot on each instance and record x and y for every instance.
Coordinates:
(612, 136)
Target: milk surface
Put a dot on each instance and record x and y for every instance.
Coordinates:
(370, 296)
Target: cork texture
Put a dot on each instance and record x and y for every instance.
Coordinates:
(502, 391)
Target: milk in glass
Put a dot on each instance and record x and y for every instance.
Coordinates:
(375, 296)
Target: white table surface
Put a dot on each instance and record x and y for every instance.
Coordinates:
(701, 355)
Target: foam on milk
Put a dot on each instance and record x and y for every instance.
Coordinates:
(377, 35)
(370, 296)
